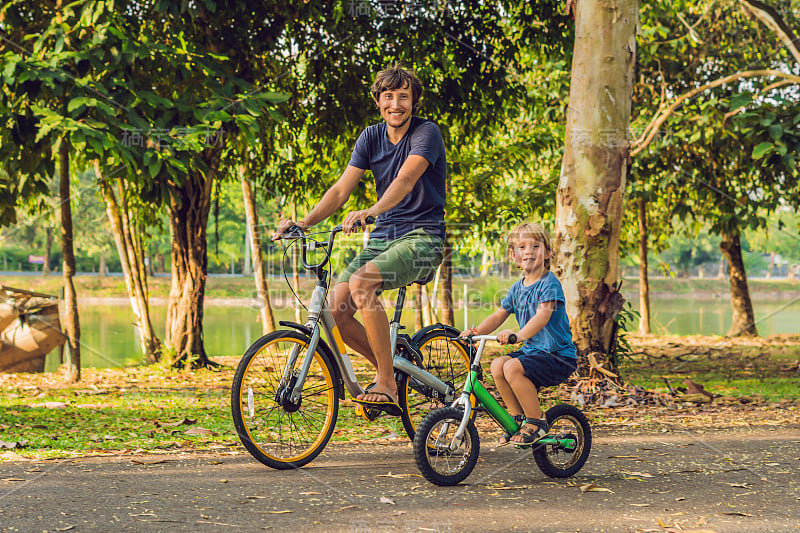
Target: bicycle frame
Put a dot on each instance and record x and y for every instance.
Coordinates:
(321, 318)
(473, 387)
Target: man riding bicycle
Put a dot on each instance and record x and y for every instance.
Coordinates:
(407, 159)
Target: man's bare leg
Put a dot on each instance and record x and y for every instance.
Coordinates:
(353, 332)
(364, 286)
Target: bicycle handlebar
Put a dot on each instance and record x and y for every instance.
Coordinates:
(512, 339)
(296, 232)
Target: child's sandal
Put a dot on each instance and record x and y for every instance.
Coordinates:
(533, 431)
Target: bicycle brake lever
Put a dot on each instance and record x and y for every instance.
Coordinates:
(292, 232)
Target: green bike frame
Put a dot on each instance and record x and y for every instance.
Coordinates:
(474, 387)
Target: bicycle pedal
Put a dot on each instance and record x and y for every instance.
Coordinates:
(368, 413)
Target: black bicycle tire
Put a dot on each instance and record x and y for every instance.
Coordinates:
(423, 457)
(540, 452)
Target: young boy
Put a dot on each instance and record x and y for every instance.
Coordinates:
(548, 356)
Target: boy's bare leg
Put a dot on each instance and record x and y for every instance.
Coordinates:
(524, 389)
(353, 332)
(364, 286)
(500, 381)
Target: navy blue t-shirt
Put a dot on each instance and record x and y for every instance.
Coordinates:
(555, 337)
(423, 207)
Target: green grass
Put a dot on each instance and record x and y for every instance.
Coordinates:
(137, 409)
(742, 369)
(115, 410)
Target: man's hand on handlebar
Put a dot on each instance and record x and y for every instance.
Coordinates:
(285, 224)
(353, 219)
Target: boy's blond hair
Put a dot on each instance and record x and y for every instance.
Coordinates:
(533, 230)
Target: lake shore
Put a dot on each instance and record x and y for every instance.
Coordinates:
(240, 290)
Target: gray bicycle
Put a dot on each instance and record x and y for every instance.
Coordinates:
(287, 388)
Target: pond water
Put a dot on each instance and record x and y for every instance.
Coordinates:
(108, 337)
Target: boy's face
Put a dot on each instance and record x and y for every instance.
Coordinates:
(529, 254)
(395, 106)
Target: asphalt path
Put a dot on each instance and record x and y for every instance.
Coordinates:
(721, 481)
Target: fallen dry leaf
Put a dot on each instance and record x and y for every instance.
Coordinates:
(384, 499)
(639, 474)
(49, 405)
(397, 475)
(346, 507)
(200, 431)
(144, 462)
(591, 487)
(279, 512)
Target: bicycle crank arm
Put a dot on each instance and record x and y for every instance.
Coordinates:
(554, 441)
(422, 376)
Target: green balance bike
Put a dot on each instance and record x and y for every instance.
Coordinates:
(446, 444)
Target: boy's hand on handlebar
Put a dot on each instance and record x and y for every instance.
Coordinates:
(467, 332)
(352, 220)
(503, 336)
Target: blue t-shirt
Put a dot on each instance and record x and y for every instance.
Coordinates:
(555, 337)
(423, 207)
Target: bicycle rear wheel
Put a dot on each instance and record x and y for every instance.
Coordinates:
(568, 426)
(445, 358)
(279, 433)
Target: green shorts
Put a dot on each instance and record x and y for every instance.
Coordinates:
(412, 257)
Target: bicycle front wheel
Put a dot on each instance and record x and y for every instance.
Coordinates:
(445, 358)
(278, 432)
(452, 461)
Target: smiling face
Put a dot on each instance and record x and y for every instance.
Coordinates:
(396, 91)
(396, 106)
(530, 255)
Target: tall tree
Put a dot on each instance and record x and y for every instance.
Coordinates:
(594, 172)
(692, 66)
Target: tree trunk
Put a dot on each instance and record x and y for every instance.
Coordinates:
(594, 170)
(744, 323)
(644, 282)
(771, 265)
(135, 281)
(71, 321)
(262, 287)
(48, 250)
(189, 208)
(102, 270)
(446, 314)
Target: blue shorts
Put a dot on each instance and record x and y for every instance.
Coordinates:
(545, 369)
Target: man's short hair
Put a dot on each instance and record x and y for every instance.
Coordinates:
(397, 77)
